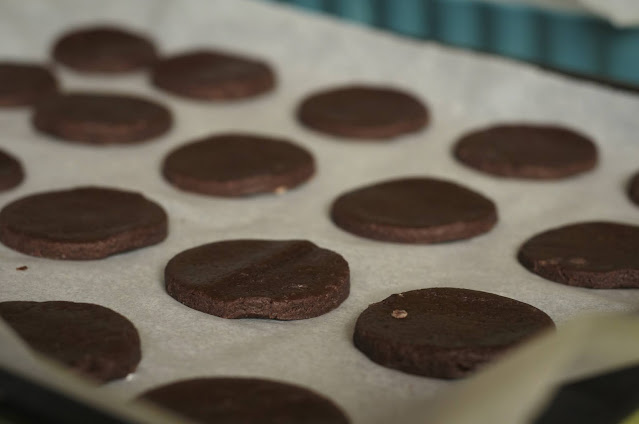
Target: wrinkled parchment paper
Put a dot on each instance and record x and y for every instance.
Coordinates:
(309, 52)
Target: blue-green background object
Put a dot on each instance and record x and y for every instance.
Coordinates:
(570, 42)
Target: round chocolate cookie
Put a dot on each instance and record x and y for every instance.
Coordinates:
(213, 75)
(238, 165)
(82, 223)
(363, 112)
(283, 280)
(414, 210)
(246, 401)
(527, 151)
(595, 255)
(101, 118)
(90, 339)
(11, 173)
(633, 189)
(23, 84)
(104, 49)
(444, 332)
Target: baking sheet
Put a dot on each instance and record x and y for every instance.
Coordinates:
(464, 90)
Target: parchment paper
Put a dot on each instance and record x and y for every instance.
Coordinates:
(464, 90)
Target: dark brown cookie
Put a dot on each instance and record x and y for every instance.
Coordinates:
(444, 332)
(527, 151)
(414, 210)
(596, 255)
(633, 189)
(238, 165)
(283, 279)
(82, 223)
(104, 49)
(11, 172)
(90, 339)
(101, 118)
(213, 75)
(363, 112)
(23, 84)
(245, 401)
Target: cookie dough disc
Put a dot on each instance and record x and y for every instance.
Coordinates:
(527, 151)
(94, 118)
(246, 401)
(444, 332)
(212, 75)
(82, 223)
(11, 172)
(23, 84)
(633, 189)
(90, 339)
(104, 49)
(238, 165)
(596, 255)
(284, 279)
(414, 210)
(363, 112)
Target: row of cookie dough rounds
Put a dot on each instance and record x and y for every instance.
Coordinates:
(92, 223)
(229, 164)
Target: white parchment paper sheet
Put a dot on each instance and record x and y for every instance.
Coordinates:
(464, 90)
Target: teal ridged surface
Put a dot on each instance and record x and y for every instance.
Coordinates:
(569, 42)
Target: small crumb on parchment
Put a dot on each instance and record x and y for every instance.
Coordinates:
(280, 190)
(399, 313)
(22, 268)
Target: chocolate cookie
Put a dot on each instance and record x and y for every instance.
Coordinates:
(90, 339)
(633, 189)
(213, 75)
(104, 49)
(23, 84)
(101, 118)
(284, 279)
(11, 173)
(527, 151)
(414, 210)
(596, 255)
(238, 165)
(246, 401)
(82, 223)
(360, 111)
(444, 332)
